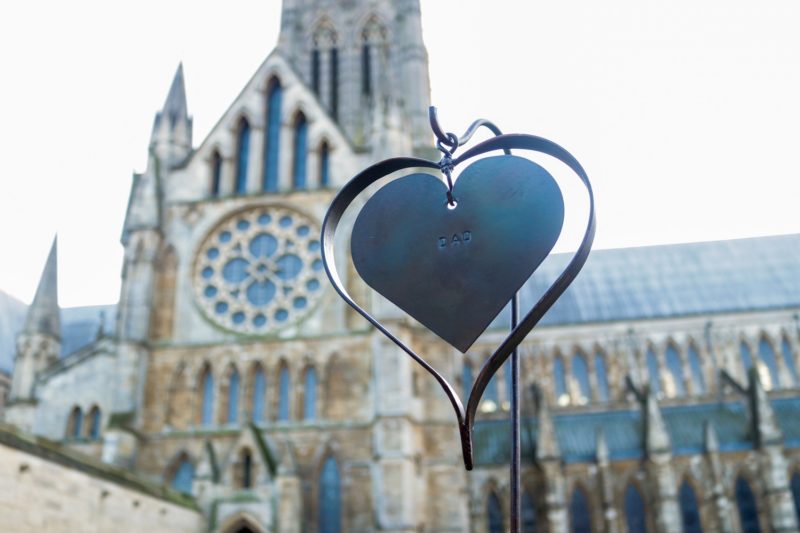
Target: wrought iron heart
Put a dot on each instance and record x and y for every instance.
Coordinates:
(454, 269)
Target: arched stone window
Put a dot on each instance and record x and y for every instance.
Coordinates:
(272, 139)
(207, 397)
(324, 164)
(690, 515)
(310, 394)
(243, 476)
(300, 151)
(746, 504)
(283, 394)
(767, 356)
(652, 372)
(494, 514)
(528, 513)
(315, 70)
(216, 173)
(602, 377)
(635, 516)
(181, 474)
(325, 40)
(93, 429)
(373, 54)
(746, 357)
(580, 519)
(466, 379)
(560, 381)
(788, 360)
(259, 392)
(580, 373)
(232, 412)
(696, 369)
(330, 498)
(242, 155)
(675, 367)
(75, 423)
(795, 484)
(334, 87)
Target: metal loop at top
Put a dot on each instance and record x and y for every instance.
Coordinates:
(449, 142)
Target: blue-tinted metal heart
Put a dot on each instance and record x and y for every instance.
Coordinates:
(454, 270)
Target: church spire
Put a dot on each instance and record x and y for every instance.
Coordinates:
(175, 108)
(43, 314)
(171, 140)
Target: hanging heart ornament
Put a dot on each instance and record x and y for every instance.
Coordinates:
(453, 255)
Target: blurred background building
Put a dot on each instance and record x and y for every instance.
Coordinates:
(661, 391)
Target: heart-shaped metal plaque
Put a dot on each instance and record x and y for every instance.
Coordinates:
(454, 268)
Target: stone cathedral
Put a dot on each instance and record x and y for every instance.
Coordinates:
(661, 393)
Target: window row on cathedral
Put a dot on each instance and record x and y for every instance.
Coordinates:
(636, 511)
(310, 166)
(83, 427)
(245, 476)
(226, 400)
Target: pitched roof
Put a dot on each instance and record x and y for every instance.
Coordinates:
(673, 280)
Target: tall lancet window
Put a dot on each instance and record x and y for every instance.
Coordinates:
(207, 400)
(242, 155)
(216, 173)
(366, 69)
(635, 516)
(602, 377)
(580, 519)
(283, 394)
(315, 74)
(652, 372)
(324, 164)
(232, 416)
(94, 423)
(272, 139)
(494, 514)
(310, 395)
(788, 360)
(259, 392)
(373, 50)
(746, 357)
(299, 169)
(334, 86)
(675, 366)
(182, 475)
(330, 498)
(697, 371)
(689, 513)
(767, 356)
(746, 504)
(75, 423)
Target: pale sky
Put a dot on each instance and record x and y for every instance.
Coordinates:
(685, 114)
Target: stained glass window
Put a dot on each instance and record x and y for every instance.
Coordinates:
(283, 394)
(579, 518)
(330, 498)
(207, 411)
(494, 514)
(324, 165)
(602, 377)
(580, 373)
(652, 371)
(689, 512)
(75, 423)
(315, 70)
(272, 140)
(697, 371)
(94, 423)
(310, 395)
(233, 398)
(746, 503)
(242, 155)
(247, 468)
(560, 382)
(183, 477)
(366, 70)
(259, 392)
(334, 88)
(216, 173)
(767, 356)
(634, 510)
(300, 151)
(788, 360)
(675, 367)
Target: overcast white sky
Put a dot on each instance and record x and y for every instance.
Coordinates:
(686, 114)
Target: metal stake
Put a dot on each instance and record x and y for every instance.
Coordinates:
(515, 439)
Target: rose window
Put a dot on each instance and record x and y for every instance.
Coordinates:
(259, 270)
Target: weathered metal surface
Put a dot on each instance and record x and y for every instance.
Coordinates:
(454, 268)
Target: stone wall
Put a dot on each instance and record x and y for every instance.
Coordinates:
(46, 488)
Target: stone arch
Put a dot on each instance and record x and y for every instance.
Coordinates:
(241, 522)
(324, 486)
(74, 423)
(769, 366)
(91, 429)
(206, 395)
(690, 500)
(675, 363)
(746, 491)
(179, 471)
(635, 507)
(580, 516)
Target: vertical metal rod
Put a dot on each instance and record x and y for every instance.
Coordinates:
(515, 439)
